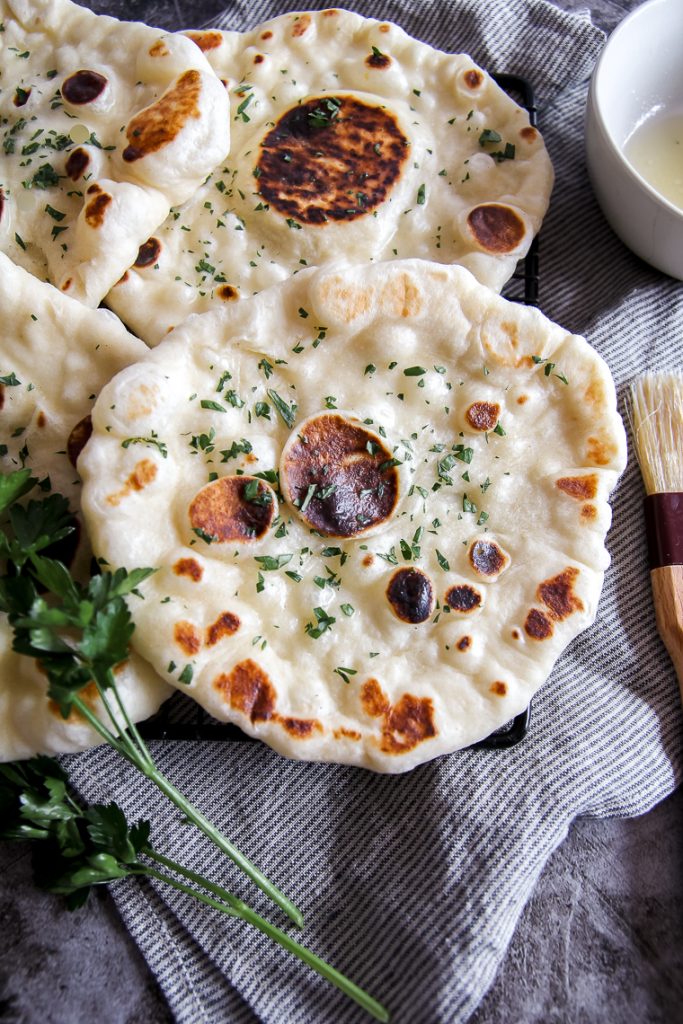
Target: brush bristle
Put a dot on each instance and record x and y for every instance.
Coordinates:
(656, 414)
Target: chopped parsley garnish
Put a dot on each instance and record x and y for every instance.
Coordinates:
(245, 102)
(253, 493)
(151, 442)
(312, 488)
(324, 114)
(286, 411)
(185, 676)
(222, 380)
(463, 453)
(321, 625)
(45, 177)
(242, 447)
(270, 563)
(489, 135)
(421, 195)
(203, 442)
(234, 399)
(390, 557)
(504, 154)
(203, 267)
(444, 466)
(344, 673)
(207, 403)
(548, 368)
(208, 538)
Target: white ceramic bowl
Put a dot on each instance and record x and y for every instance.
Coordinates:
(640, 70)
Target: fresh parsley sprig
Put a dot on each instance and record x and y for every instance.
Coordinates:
(80, 633)
(78, 848)
(548, 368)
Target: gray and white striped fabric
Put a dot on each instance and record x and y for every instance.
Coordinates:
(413, 885)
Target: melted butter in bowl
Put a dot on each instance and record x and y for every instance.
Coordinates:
(655, 151)
(634, 133)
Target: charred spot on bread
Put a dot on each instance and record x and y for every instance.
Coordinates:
(411, 595)
(148, 253)
(78, 438)
(463, 598)
(232, 508)
(487, 558)
(331, 158)
(77, 163)
(339, 475)
(537, 625)
(207, 40)
(558, 594)
(496, 227)
(159, 124)
(482, 416)
(83, 86)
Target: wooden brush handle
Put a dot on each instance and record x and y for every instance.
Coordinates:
(667, 591)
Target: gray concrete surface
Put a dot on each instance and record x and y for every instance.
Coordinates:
(601, 939)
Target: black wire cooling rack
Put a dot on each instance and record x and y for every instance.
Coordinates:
(181, 718)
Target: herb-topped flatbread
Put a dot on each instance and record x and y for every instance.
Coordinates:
(104, 125)
(352, 142)
(377, 501)
(55, 355)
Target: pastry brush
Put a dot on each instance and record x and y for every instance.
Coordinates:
(656, 410)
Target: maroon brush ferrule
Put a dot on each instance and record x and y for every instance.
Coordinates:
(664, 528)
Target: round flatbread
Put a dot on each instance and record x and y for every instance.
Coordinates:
(351, 141)
(55, 355)
(105, 125)
(377, 500)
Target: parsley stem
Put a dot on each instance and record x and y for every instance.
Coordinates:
(153, 873)
(131, 728)
(146, 765)
(101, 728)
(205, 826)
(180, 869)
(237, 908)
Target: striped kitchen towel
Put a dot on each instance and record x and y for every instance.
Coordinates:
(413, 884)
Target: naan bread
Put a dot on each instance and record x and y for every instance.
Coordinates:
(55, 355)
(105, 125)
(350, 141)
(377, 499)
